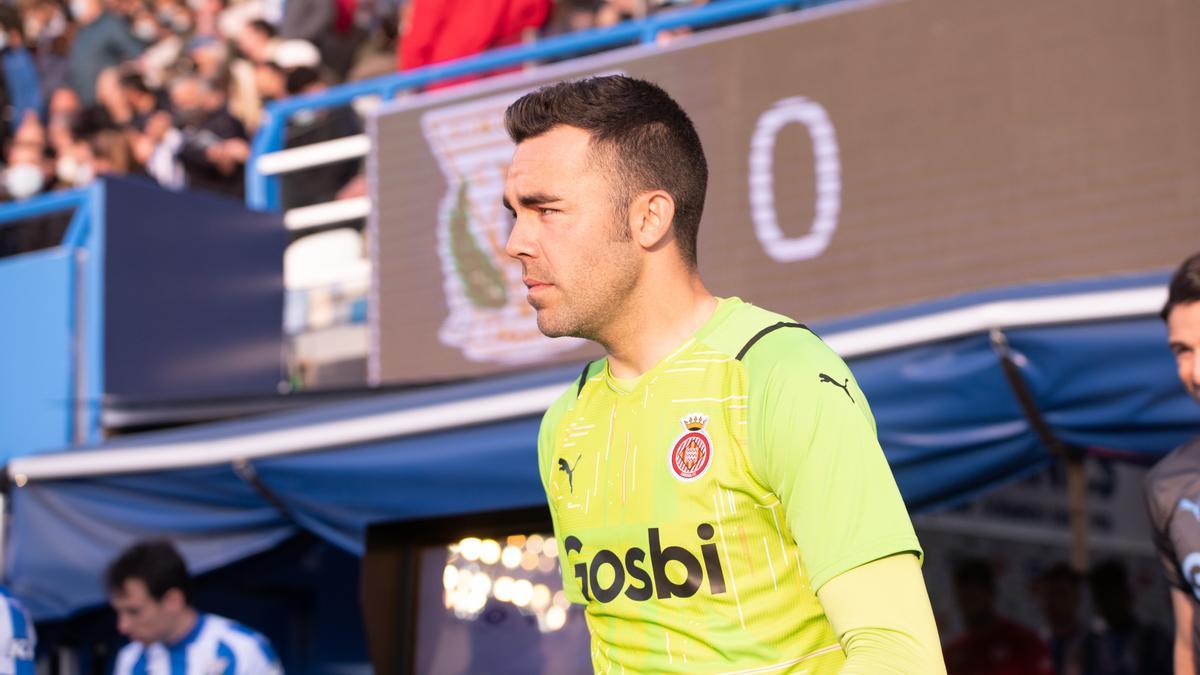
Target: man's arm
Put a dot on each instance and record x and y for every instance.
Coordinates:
(819, 454)
(881, 614)
(1185, 659)
(122, 42)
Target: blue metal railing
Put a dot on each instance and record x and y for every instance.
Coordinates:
(41, 205)
(262, 192)
(51, 390)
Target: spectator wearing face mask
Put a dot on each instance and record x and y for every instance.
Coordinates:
(25, 177)
(20, 72)
(25, 174)
(271, 77)
(175, 15)
(145, 26)
(102, 41)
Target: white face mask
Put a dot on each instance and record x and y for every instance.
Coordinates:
(66, 168)
(304, 118)
(84, 174)
(23, 180)
(56, 27)
(78, 8)
(145, 31)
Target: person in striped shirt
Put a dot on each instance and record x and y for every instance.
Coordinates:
(148, 588)
(18, 640)
(719, 495)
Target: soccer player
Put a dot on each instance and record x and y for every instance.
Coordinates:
(719, 496)
(1173, 485)
(148, 587)
(17, 637)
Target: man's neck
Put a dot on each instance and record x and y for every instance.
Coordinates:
(655, 323)
(187, 621)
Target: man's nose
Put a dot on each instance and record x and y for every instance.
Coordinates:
(520, 240)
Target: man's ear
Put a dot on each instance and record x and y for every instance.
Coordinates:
(650, 218)
(174, 599)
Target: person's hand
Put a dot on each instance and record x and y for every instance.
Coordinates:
(228, 155)
(237, 149)
(158, 125)
(215, 154)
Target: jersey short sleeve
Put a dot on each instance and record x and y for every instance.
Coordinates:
(1173, 505)
(813, 443)
(1159, 511)
(128, 659)
(18, 639)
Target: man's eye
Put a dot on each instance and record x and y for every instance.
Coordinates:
(545, 211)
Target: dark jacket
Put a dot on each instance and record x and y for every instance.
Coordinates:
(202, 174)
(101, 44)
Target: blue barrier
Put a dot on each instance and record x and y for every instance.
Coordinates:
(51, 375)
(262, 192)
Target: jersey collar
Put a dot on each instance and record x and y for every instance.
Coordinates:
(194, 633)
(725, 307)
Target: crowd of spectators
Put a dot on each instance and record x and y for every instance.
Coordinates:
(174, 89)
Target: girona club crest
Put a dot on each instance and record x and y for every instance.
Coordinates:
(692, 452)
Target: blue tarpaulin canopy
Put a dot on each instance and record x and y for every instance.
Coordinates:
(1092, 355)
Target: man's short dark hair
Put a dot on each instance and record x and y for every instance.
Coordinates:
(263, 27)
(649, 142)
(975, 571)
(301, 78)
(10, 20)
(1185, 286)
(156, 563)
(134, 81)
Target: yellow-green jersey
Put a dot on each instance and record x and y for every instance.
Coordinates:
(699, 508)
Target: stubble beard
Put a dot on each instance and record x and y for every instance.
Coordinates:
(598, 295)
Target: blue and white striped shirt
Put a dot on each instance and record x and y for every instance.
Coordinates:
(216, 646)
(17, 637)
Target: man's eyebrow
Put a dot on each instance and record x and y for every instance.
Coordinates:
(533, 199)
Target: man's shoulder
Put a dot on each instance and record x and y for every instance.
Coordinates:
(127, 657)
(748, 329)
(1174, 477)
(226, 626)
(240, 638)
(566, 400)
(1183, 461)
